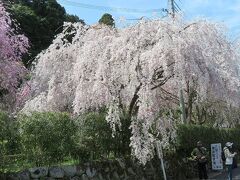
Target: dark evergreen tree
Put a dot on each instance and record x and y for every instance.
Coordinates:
(107, 19)
(40, 21)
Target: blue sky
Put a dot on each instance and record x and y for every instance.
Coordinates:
(224, 11)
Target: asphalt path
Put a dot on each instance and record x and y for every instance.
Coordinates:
(222, 175)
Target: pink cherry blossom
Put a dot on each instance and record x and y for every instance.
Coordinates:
(12, 47)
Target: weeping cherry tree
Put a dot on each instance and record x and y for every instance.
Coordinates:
(136, 70)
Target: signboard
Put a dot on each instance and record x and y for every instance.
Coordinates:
(216, 155)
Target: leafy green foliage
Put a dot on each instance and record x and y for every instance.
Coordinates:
(189, 135)
(107, 19)
(96, 138)
(9, 135)
(73, 19)
(40, 20)
(31, 25)
(47, 138)
(9, 139)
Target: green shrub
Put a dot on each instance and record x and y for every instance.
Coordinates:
(47, 138)
(9, 135)
(96, 138)
(9, 139)
(188, 135)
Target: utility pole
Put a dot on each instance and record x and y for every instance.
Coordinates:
(160, 156)
(182, 107)
(173, 8)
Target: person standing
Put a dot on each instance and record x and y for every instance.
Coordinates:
(229, 158)
(200, 155)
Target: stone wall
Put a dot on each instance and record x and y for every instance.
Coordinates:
(104, 170)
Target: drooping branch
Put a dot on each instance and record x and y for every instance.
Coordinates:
(173, 98)
(163, 81)
(158, 78)
(134, 100)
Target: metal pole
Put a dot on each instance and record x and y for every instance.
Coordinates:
(160, 156)
(182, 107)
(171, 8)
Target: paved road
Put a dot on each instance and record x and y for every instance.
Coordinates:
(223, 175)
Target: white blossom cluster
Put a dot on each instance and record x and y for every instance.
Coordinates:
(88, 67)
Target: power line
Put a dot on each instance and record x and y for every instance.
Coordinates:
(106, 8)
